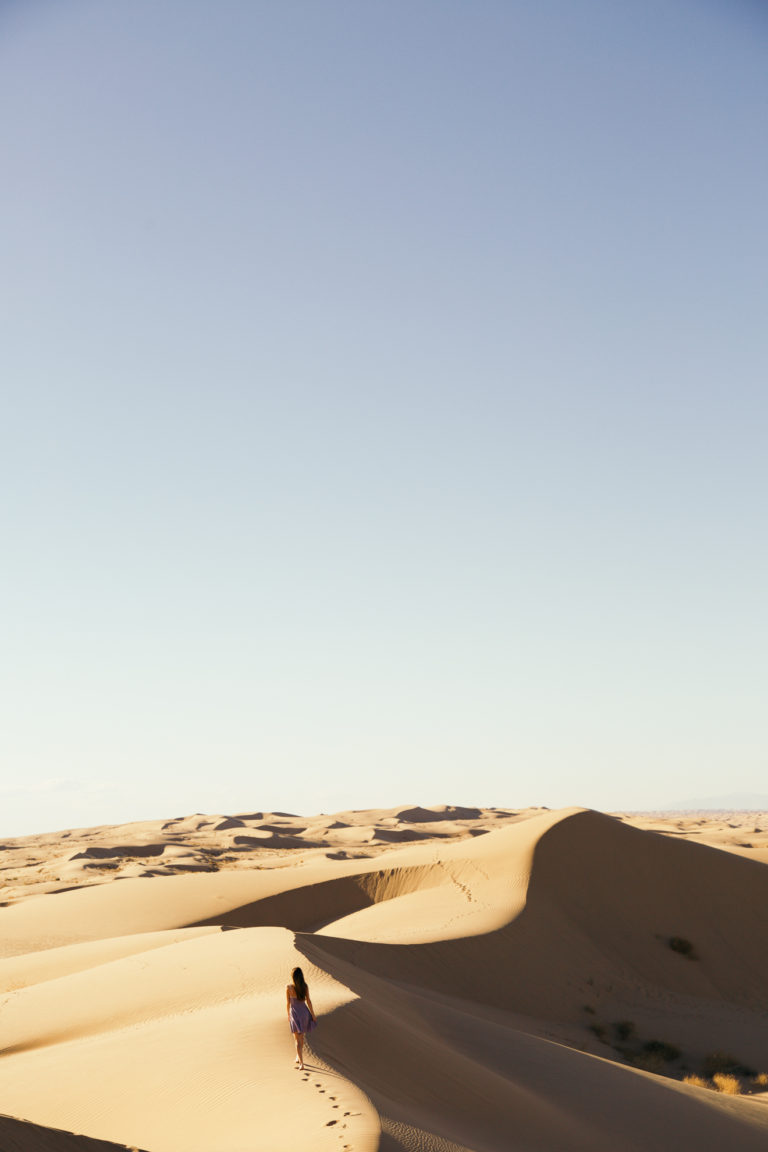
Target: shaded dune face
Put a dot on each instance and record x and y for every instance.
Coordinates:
(443, 1077)
(630, 892)
(23, 1136)
(315, 906)
(602, 903)
(97, 852)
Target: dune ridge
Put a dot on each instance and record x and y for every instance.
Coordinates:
(497, 982)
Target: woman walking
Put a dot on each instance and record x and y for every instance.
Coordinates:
(301, 1014)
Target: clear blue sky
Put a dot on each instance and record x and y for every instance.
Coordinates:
(383, 404)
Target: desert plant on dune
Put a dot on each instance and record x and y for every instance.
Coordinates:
(696, 1081)
(653, 1056)
(682, 946)
(730, 1085)
(648, 1062)
(723, 1062)
(719, 1071)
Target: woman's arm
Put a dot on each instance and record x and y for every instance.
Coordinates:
(288, 999)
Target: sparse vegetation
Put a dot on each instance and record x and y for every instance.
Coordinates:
(683, 947)
(624, 1029)
(722, 1062)
(730, 1085)
(719, 1071)
(726, 1074)
(652, 1056)
(649, 1055)
(647, 1062)
(667, 1052)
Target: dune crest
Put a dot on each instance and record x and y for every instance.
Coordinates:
(486, 979)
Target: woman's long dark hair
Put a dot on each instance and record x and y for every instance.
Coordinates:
(299, 983)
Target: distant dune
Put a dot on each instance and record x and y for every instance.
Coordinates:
(487, 980)
(729, 802)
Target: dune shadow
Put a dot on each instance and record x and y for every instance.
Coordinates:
(304, 909)
(439, 1072)
(24, 1136)
(602, 902)
(313, 906)
(602, 898)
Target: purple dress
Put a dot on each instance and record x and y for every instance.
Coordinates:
(300, 1017)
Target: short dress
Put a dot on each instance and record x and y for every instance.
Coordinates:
(300, 1017)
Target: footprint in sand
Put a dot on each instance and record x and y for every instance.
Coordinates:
(332, 1123)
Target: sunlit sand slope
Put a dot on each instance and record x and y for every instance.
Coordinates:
(544, 985)
(183, 1046)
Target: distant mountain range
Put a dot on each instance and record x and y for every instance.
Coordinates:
(731, 802)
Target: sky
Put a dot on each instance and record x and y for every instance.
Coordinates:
(384, 405)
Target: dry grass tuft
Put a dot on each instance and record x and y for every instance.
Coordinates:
(648, 1062)
(730, 1085)
(761, 1080)
(696, 1081)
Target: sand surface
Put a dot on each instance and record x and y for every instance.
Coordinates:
(491, 980)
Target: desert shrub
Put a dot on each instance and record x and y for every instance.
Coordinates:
(648, 1061)
(725, 1063)
(697, 1081)
(599, 1031)
(761, 1080)
(624, 1029)
(730, 1085)
(661, 1048)
(682, 946)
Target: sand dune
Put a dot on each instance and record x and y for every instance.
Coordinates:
(21, 1135)
(486, 980)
